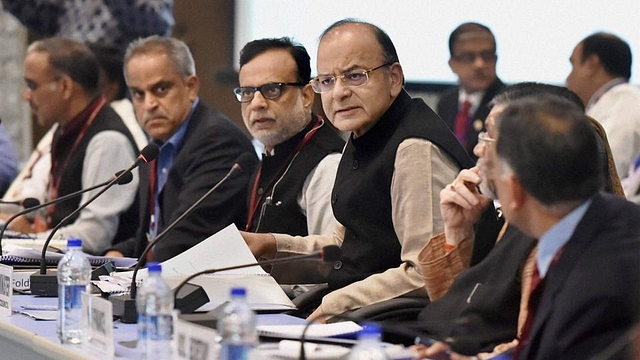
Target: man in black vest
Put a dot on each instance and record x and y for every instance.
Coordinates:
(290, 191)
(89, 146)
(399, 156)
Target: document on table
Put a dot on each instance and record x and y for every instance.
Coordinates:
(223, 249)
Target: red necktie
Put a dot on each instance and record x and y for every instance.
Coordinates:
(462, 122)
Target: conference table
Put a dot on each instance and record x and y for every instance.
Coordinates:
(25, 338)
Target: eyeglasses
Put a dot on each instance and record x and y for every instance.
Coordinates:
(484, 138)
(31, 85)
(468, 58)
(269, 91)
(354, 78)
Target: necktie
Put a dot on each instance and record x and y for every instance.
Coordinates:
(534, 298)
(462, 122)
(537, 286)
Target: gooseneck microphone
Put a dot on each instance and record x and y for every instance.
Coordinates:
(43, 284)
(124, 306)
(25, 203)
(329, 253)
(35, 206)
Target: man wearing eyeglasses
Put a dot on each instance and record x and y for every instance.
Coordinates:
(397, 159)
(291, 190)
(473, 59)
(89, 145)
(198, 146)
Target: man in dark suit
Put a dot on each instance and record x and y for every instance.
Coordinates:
(198, 146)
(473, 59)
(546, 172)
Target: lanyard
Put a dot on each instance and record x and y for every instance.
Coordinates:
(54, 180)
(255, 201)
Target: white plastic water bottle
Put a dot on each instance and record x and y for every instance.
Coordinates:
(74, 276)
(154, 304)
(369, 346)
(237, 327)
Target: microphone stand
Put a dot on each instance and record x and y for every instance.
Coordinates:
(315, 255)
(191, 298)
(40, 206)
(327, 254)
(43, 284)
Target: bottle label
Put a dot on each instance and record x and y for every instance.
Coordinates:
(155, 327)
(73, 296)
(235, 352)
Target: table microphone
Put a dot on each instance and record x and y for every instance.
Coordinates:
(124, 306)
(25, 203)
(43, 284)
(329, 253)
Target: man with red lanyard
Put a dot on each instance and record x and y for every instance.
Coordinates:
(291, 191)
(89, 146)
(198, 146)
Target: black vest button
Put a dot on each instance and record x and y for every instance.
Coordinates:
(355, 164)
(260, 191)
(334, 198)
(337, 265)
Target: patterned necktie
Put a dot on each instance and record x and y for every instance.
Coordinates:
(534, 299)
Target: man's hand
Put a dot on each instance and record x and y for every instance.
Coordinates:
(318, 316)
(262, 246)
(114, 253)
(461, 205)
(438, 351)
(22, 225)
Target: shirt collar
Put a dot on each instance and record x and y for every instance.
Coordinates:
(177, 138)
(558, 236)
(474, 98)
(603, 89)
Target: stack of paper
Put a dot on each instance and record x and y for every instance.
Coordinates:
(223, 249)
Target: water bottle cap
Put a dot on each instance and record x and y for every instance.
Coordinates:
(154, 267)
(74, 243)
(370, 330)
(238, 292)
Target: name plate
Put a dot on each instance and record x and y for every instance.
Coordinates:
(6, 289)
(194, 342)
(99, 324)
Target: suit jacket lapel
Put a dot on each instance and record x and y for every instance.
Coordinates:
(561, 269)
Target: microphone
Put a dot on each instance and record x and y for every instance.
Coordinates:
(329, 253)
(43, 284)
(123, 180)
(25, 203)
(124, 306)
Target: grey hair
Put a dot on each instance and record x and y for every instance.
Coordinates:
(177, 50)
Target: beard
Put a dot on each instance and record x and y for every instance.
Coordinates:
(286, 127)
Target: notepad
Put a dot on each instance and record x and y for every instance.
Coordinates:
(342, 328)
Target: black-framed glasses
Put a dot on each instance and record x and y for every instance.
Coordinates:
(469, 57)
(269, 91)
(353, 78)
